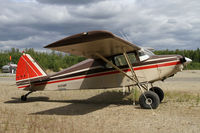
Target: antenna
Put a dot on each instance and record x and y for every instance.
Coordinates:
(127, 37)
(124, 36)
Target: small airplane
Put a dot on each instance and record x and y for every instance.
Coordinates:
(10, 68)
(113, 62)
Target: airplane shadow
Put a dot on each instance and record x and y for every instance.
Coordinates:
(29, 99)
(79, 107)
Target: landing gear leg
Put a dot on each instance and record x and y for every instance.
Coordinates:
(24, 97)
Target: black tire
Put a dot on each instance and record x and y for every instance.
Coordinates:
(23, 98)
(150, 100)
(159, 92)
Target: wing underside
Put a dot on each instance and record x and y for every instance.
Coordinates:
(87, 44)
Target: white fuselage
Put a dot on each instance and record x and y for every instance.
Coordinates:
(109, 79)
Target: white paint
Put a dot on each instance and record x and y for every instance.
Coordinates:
(37, 66)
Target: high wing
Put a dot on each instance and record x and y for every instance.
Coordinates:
(87, 44)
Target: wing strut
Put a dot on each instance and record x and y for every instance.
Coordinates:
(134, 76)
(140, 86)
(131, 67)
(117, 68)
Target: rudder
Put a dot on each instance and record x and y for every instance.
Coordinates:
(28, 69)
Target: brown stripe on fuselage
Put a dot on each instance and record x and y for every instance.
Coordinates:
(82, 65)
(94, 63)
(89, 63)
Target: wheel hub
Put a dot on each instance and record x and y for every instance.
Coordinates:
(148, 101)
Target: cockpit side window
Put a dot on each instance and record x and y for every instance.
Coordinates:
(132, 57)
(107, 65)
(121, 61)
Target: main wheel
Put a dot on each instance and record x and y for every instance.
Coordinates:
(148, 100)
(23, 98)
(159, 92)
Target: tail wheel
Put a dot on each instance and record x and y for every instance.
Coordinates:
(148, 100)
(23, 98)
(159, 92)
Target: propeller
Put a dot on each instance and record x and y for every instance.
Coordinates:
(184, 60)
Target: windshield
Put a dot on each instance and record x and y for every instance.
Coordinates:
(144, 54)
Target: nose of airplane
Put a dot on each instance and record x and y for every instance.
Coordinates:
(185, 60)
(188, 60)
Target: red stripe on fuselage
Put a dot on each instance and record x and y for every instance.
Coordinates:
(112, 72)
(24, 86)
(106, 73)
(157, 65)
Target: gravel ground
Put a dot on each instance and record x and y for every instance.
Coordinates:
(101, 111)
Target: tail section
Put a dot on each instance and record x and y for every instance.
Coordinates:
(28, 70)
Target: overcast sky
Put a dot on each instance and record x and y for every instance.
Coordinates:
(161, 24)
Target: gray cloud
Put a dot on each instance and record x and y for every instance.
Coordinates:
(159, 24)
(71, 2)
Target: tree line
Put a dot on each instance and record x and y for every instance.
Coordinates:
(192, 54)
(56, 61)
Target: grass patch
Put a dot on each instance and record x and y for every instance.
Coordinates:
(183, 97)
(180, 97)
(198, 99)
(133, 95)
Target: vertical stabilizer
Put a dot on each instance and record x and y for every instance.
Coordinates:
(28, 69)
